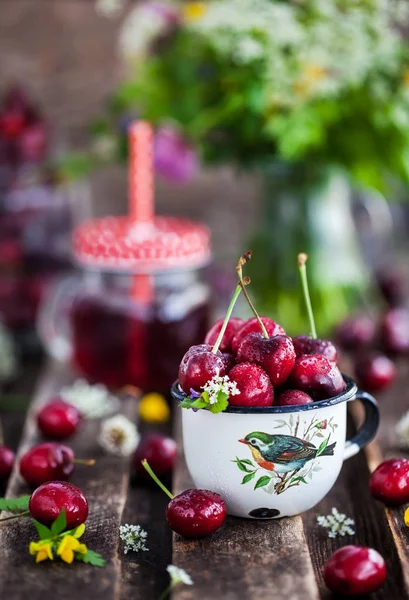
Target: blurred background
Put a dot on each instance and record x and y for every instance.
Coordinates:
(280, 125)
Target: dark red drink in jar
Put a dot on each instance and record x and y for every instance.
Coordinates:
(139, 303)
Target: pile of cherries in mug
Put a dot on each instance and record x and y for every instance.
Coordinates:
(267, 366)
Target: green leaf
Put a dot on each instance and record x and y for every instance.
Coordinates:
(295, 479)
(249, 477)
(186, 403)
(14, 504)
(43, 531)
(199, 403)
(322, 446)
(247, 461)
(91, 558)
(221, 404)
(242, 466)
(263, 481)
(59, 524)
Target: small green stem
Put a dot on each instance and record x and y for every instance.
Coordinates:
(146, 466)
(23, 514)
(302, 259)
(1, 434)
(166, 593)
(87, 462)
(243, 287)
(226, 318)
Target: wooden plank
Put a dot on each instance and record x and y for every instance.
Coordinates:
(245, 559)
(105, 487)
(144, 574)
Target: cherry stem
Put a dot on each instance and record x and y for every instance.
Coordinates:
(23, 514)
(243, 282)
(226, 318)
(302, 259)
(155, 478)
(87, 462)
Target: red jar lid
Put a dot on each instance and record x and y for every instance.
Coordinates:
(119, 243)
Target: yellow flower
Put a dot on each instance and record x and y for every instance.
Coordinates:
(193, 11)
(68, 545)
(406, 77)
(153, 408)
(42, 550)
(406, 517)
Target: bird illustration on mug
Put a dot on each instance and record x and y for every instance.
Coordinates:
(282, 453)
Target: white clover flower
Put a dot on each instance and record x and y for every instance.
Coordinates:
(8, 358)
(178, 575)
(402, 429)
(337, 523)
(93, 401)
(220, 384)
(119, 436)
(109, 8)
(133, 537)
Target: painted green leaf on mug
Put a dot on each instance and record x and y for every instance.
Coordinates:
(248, 477)
(263, 481)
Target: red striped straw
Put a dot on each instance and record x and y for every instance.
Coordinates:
(141, 195)
(141, 182)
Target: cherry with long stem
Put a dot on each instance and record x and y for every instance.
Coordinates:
(156, 479)
(302, 259)
(233, 301)
(244, 259)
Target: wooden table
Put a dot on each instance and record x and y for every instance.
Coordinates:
(255, 560)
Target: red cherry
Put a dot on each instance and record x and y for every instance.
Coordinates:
(47, 462)
(389, 483)
(159, 451)
(252, 325)
(303, 344)
(12, 123)
(275, 355)
(253, 384)
(289, 397)
(391, 282)
(375, 373)
(395, 331)
(196, 513)
(317, 376)
(355, 332)
(355, 570)
(229, 360)
(48, 500)
(7, 457)
(233, 326)
(58, 419)
(198, 366)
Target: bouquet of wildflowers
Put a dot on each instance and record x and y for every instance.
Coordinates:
(251, 81)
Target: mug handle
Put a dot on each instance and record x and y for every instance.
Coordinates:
(369, 427)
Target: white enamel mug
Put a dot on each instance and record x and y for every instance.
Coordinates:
(277, 461)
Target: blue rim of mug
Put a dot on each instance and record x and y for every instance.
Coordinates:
(349, 393)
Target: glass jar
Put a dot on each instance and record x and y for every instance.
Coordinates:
(120, 326)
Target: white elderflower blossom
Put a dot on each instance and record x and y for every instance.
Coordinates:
(178, 575)
(119, 436)
(93, 401)
(247, 50)
(220, 384)
(143, 25)
(337, 523)
(8, 358)
(133, 537)
(402, 429)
